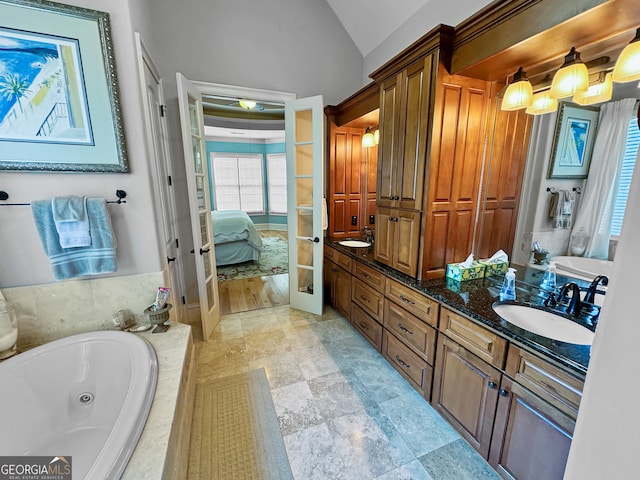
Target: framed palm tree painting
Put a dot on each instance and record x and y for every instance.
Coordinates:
(59, 103)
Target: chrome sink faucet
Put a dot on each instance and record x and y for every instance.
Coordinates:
(590, 296)
(368, 234)
(575, 305)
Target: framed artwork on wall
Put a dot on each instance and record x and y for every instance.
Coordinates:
(573, 141)
(59, 101)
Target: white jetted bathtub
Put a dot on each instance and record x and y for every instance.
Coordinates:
(86, 396)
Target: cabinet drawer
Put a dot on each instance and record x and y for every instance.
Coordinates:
(417, 334)
(549, 382)
(367, 326)
(478, 340)
(369, 275)
(342, 260)
(418, 372)
(368, 298)
(420, 305)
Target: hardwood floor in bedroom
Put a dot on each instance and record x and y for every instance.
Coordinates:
(247, 294)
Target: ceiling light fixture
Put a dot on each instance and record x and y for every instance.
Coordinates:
(248, 104)
(572, 77)
(519, 93)
(597, 93)
(627, 67)
(542, 103)
(367, 138)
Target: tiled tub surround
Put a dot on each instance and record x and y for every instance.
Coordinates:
(52, 311)
(475, 299)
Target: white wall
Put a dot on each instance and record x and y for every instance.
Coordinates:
(23, 259)
(435, 12)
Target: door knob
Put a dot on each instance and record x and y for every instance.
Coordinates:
(169, 260)
(204, 250)
(314, 240)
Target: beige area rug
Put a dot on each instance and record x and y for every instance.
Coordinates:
(235, 432)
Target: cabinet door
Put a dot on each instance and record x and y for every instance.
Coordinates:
(406, 241)
(342, 292)
(384, 236)
(531, 439)
(415, 101)
(387, 151)
(327, 280)
(465, 392)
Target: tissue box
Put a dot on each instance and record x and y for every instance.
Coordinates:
(494, 268)
(461, 274)
(463, 287)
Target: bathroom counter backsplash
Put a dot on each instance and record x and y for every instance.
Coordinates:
(474, 298)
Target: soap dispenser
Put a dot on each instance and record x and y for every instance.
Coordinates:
(549, 279)
(508, 290)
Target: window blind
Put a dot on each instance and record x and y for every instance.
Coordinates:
(277, 182)
(238, 182)
(628, 164)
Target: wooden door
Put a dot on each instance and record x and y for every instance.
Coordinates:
(342, 292)
(531, 439)
(346, 185)
(465, 392)
(389, 119)
(406, 240)
(385, 229)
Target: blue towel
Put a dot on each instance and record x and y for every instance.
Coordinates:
(71, 220)
(66, 263)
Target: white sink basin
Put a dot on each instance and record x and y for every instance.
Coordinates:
(354, 243)
(544, 323)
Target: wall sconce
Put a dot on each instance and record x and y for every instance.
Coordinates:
(519, 94)
(598, 92)
(573, 76)
(627, 67)
(248, 104)
(367, 138)
(376, 136)
(542, 103)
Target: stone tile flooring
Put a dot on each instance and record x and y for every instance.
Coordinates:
(344, 412)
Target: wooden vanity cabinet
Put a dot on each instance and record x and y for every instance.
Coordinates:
(337, 280)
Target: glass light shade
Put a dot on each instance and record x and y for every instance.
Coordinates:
(570, 80)
(376, 136)
(518, 95)
(627, 67)
(599, 92)
(542, 103)
(367, 138)
(248, 104)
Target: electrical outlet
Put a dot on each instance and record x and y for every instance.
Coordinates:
(354, 220)
(372, 219)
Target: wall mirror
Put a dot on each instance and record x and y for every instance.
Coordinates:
(59, 101)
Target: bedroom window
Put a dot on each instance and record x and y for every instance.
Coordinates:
(277, 182)
(238, 182)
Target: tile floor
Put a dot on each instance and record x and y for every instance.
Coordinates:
(344, 412)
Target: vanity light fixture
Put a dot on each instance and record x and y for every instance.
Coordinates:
(376, 136)
(573, 76)
(627, 67)
(597, 93)
(368, 139)
(519, 94)
(248, 104)
(542, 103)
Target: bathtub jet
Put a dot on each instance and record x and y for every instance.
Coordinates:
(86, 397)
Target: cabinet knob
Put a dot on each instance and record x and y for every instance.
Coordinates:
(492, 385)
(503, 393)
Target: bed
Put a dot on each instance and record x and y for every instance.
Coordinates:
(235, 237)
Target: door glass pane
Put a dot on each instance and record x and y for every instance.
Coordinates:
(305, 280)
(203, 228)
(304, 132)
(305, 222)
(305, 252)
(210, 294)
(206, 258)
(200, 193)
(193, 116)
(304, 192)
(304, 159)
(197, 160)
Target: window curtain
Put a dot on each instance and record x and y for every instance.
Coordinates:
(596, 207)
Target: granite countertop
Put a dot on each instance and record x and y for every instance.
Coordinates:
(474, 299)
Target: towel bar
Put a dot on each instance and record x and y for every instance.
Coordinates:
(121, 194)
(552, 190)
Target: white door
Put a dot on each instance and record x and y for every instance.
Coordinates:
(304, 125)
(192, 123)
(162, 173)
